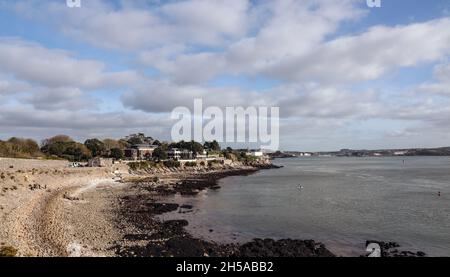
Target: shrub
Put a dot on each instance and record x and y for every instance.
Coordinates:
(190, 164)
(64, 147)
(142, 165)
(96, 147)
(116, 153)
(171, 163)
(160, 153)
(19, 148)
(251, 159)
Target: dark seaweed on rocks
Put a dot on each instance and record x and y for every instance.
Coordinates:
(156, 238)
(283, 248)
(160, 208)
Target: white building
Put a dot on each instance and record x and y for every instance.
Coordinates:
(180, 154)
(255, 153)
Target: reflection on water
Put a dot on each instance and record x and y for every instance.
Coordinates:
(344, 201)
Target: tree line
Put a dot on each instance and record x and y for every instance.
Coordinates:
(64, 147)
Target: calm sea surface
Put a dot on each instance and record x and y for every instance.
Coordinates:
(344, 201)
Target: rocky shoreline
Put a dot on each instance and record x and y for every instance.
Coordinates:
(152, 237)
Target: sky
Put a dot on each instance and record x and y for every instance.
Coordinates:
(343, 75)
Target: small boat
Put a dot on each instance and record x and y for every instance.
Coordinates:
(300, 187)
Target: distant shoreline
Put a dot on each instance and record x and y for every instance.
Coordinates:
(401, 152)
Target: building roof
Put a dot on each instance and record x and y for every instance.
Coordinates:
(138, 146)
(179, 150)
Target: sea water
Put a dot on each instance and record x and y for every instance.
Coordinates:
(343, 203)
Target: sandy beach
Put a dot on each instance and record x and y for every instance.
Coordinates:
(35, 210)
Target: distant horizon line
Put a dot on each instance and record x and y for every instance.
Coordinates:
(365, 149)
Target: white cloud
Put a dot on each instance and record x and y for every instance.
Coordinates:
(315, 101)
(163, 96)
(308, 101)
(287, 40)
(10, 87)
(369, 55)
(184, 68)
(36, 64)
(291, 45)
(139, 26)
(441, 86)
(288, 29)
(51, 99)
(41, 124)
(208, 22)
(277, 30)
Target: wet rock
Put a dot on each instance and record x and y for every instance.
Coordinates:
(175, 224)
(283, 248)
(421, 254)
(160, 208)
